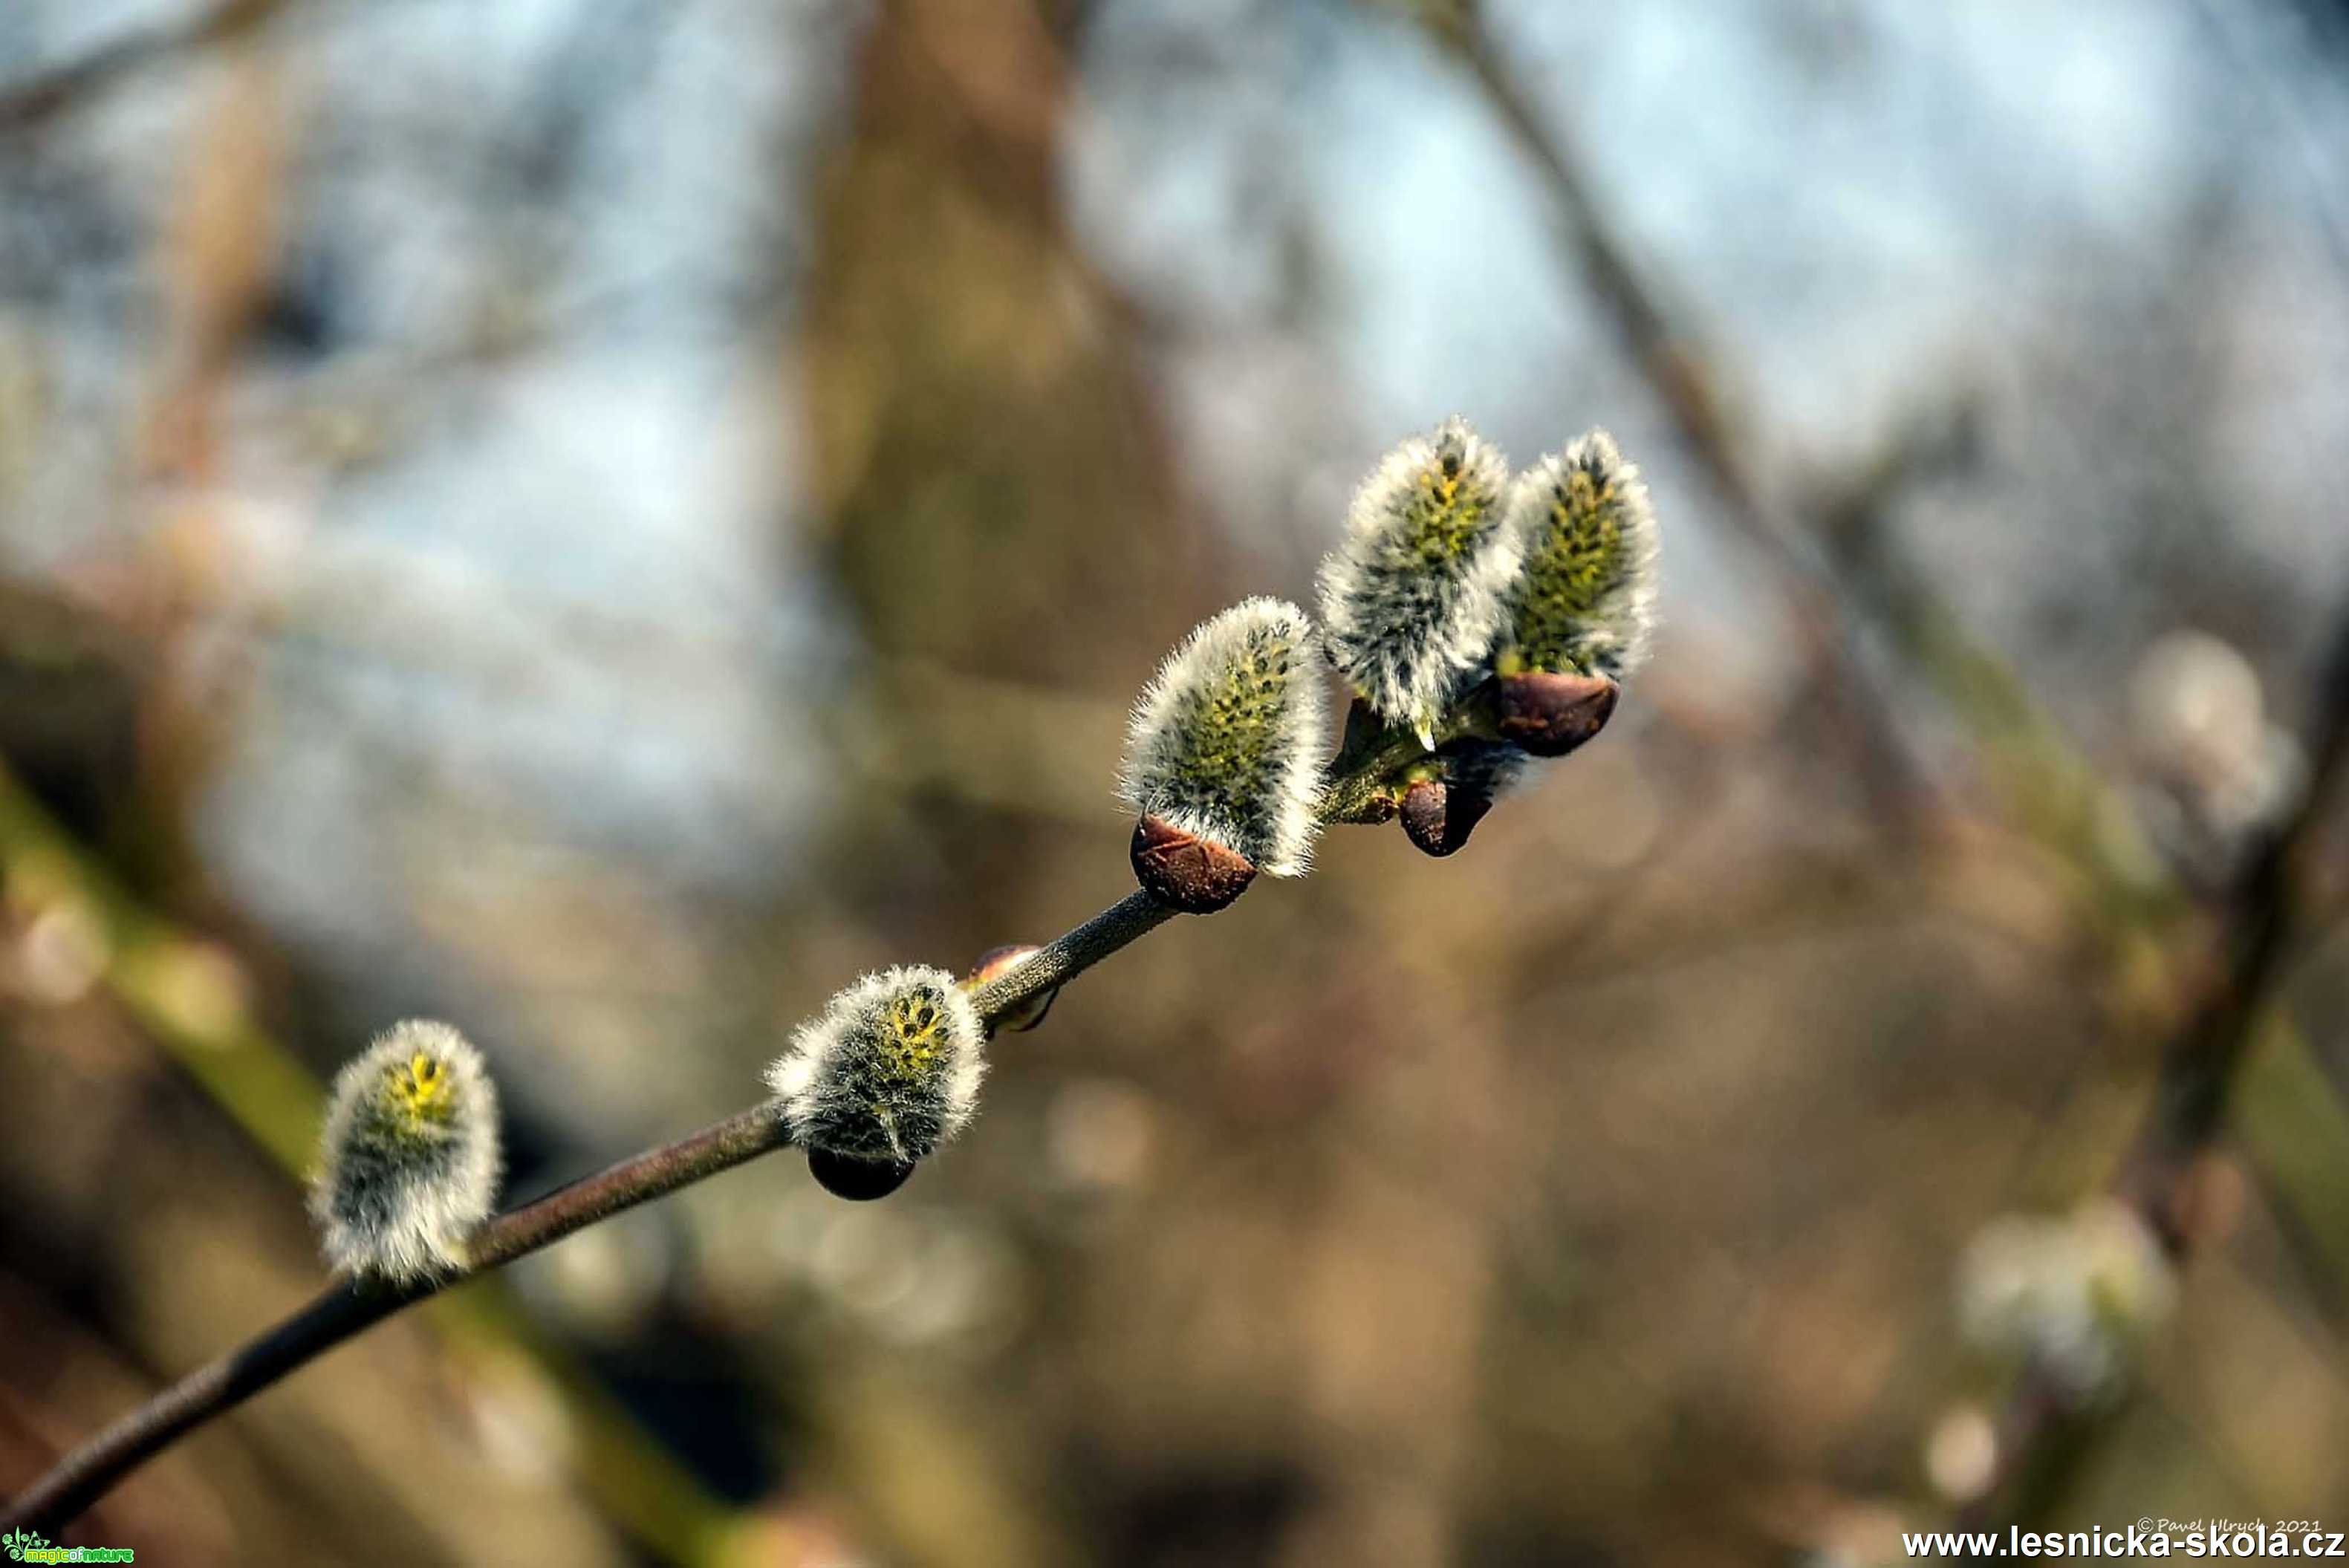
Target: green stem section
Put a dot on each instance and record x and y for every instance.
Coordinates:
(1373, 761)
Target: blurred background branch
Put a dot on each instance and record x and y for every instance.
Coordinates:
(27, 103)
(2263, 919)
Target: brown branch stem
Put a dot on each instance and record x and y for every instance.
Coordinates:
(350, 1307)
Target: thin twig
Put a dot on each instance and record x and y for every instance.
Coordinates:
(2264, 915)
(1128, 920)
(350, 1307)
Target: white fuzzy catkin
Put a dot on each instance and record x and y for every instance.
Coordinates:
(1225, 741)
(888, 1071)
(2077, 1295)
(409, 1162)
(1584, 601)
(1413, 599)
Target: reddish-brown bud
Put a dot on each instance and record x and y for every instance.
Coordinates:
(1550, 715)
(1195, 875)
(1001, 961)
(1438, 816)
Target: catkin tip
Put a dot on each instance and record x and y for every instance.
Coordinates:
(1413, 598)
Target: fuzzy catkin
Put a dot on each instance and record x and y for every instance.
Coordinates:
(409, 1159)
(1584, 602)
(1226, 742)
(1413, 599)
(888, 1071)
(2078, 1296)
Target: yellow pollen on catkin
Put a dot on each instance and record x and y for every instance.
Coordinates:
(916, 1032)
(420, 1087)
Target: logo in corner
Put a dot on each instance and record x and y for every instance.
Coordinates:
(28, 1546)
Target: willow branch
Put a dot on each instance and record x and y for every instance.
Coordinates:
(350, 1307)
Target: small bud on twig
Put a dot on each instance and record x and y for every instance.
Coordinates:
(1427, 817)
(1442, 808)
(1414, 597)
(889, 1071)
(409, 1162)
(1550, 715)
(1196, 875)
(996, 962)
(1224, 758)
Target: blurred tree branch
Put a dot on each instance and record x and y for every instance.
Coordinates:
(1672, 357)
(1848, 558)
(2264, 915)
(1845, 559)
(26, 106)
(2039, 1443)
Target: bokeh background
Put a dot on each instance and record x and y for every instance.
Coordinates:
(601, 519)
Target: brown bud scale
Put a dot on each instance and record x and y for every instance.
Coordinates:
(1550, 715)
(1438, 816)
(1195, 875)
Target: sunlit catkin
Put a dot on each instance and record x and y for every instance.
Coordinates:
(409, 1162)
(1412, 599)
(888, 1072)
(1223, 760)
(1582, 609)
